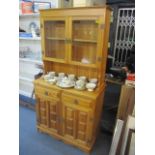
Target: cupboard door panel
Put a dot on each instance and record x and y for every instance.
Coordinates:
(47, 113)
(69, 122)
(53, 116)
(77, 124)
(84, 126)
(42, 111)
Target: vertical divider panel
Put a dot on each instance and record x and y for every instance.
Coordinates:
(42, 37)
(47, 113)
(69, 37)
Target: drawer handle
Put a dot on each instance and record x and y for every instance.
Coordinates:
(76, 101)
(46, 93)
(58, 95)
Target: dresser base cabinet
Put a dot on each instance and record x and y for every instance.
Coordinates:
(72, 117)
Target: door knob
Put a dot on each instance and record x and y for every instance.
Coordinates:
(76, 101)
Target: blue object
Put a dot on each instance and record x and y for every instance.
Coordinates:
(27, 99)
(23, 34)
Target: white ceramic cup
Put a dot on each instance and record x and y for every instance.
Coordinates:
(83, 78)
(93, 80)
(80, 83)
(71, 77)
(52, 74)
(61, 75)
(90, 86)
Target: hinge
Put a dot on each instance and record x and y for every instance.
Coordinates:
(102, 26)
(112, 17)
(41, 25)
(58, 119)
(61, 120)
(99, 59)
(58, 95)
(88, 141)
(108, 44)
(68, 41)
(91, 119)
(98, 21)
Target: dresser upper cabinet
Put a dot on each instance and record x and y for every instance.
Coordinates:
(73, 39)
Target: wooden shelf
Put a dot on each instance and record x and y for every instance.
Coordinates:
(54, 38)
(31, 60)
(83, 64)
(24, 93)
(83, 40)
(54, 59)
(28, 15)
(28, 38)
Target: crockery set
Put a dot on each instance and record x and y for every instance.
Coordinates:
(70, 80)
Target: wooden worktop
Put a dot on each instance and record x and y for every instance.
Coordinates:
(83, 93)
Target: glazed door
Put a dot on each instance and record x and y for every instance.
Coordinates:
(86, 35)
(77, 123)
(54, 34)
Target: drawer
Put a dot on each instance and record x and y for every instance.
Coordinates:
(48, 92)
(77, 100)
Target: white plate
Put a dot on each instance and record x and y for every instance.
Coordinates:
(62, 85)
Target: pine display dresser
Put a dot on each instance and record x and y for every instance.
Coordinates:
(74, 41)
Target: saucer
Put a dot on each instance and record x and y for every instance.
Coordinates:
(79, 88)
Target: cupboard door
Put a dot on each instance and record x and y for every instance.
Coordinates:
(54, 35)
(77, 123)
(42, 111)
(53, 116)
(69, 122)
(85, 35)
(84, 126)
(47, 113)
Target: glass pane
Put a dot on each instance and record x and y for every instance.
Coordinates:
(85, 30)
(55, 39)
(84, 52)
(84, 45)
(55, 49)
(55, 29)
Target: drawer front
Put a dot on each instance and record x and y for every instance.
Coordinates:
(48, 92)
(76, 101)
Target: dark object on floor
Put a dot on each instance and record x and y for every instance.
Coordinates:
(111, 100)
(119, 74)
(26, 104)
(32, 142)
(130, 63)
(21, 30)
(37, 76)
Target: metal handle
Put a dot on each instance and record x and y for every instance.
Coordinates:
(46, 93)
(76, 101)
